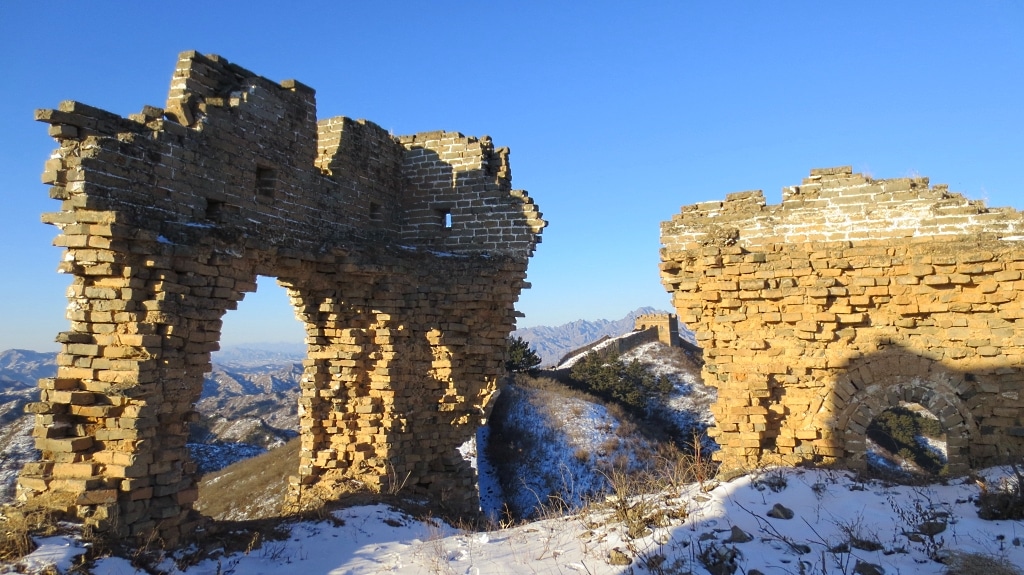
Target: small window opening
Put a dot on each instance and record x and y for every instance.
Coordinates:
(266, 182)
(375, 213)
(445, 216)
(214, 210)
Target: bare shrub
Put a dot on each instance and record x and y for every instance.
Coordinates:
(679, 468)
(719, 559)
(773, 478)
(1006, 500)
(15, 536)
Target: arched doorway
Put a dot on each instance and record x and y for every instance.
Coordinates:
(894, 386)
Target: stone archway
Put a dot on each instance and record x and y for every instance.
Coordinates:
(877, 383)
(403, 257)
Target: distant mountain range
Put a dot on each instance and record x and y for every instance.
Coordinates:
(21, 368)
(255, 354)
(551, 343)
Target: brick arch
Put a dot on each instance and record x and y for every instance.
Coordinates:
(875, 384)
(169, 215)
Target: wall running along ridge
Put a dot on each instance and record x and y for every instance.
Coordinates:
(402, 256)
(852, 296)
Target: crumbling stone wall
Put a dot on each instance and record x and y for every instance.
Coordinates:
(849, 297)
(402, 256)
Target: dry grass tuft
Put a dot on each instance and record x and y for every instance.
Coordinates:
(978, 564)
(1005, 500)
(15, 536)
(20, 521)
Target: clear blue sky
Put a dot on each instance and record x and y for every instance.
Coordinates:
(617, 113)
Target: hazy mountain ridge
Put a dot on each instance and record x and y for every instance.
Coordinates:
(23, 368)
(253, 355)
(551, 343)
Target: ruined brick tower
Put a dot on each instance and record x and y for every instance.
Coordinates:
(852, 296)
(403, 257)
(665, 323)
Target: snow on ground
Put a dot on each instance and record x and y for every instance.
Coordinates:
(491, 495)
(564, 447)
(689, 403)
(936, 446)
(836, 524)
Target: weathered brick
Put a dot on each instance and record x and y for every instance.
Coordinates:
(165, 225)
(867, 304)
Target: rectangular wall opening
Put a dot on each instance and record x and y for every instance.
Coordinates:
(266, 182)
(214, 210)
(444, 216)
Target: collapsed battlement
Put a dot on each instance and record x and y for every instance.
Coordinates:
(403, 258)
(833, 205)
(238, 152)
(852, 296)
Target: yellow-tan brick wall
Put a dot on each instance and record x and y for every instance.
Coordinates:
(811, 328)
(403, 258)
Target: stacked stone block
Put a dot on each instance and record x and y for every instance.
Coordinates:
(168, 217)
(850, 297)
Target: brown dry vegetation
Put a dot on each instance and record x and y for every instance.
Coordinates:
(979, 564)
(249, 489)
(640, 454)
(20, 521)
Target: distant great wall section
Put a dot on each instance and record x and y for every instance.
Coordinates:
(648, 328)
(402, 256)
(851, 296)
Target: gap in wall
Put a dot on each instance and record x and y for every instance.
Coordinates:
(245, 442)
